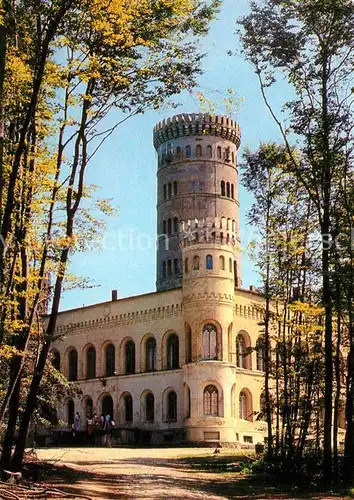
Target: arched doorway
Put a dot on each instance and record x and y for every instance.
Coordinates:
(107, 406)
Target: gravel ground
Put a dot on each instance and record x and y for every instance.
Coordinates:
(159, 473)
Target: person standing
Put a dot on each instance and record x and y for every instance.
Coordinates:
(77, 422)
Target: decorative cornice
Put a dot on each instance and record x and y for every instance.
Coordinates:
(196, 124)
(131, 318)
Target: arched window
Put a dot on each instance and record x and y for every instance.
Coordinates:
(186, 265)
(110, 355)
(150, 360)
(88, 408)
(91, 362)
(128, 408)
(56, 359)
(149, 407)
(169, 190)
(209, 262)
(175, 267)
(72, 365)
(222, 263)
(228, 189)
(232, 191)
(243, 406)
(230, 265)
(169, 226)
(164, 269)
(169, 267)
(209, 151)
(196, 263)
(240, 351)
(209, 342)
(172, 406)
(233, 225)
(172, 352)
(129, 357)
(175, 224)
(187, 401)
(188, 151)
(198, 151)
(233, 157)
(218, 153)
(235, 273)
(211, 401)
(164, 191)
(175, 187)
(260, 354)
(70, 411)
(222, 188)
(178, 153)
(164, 227)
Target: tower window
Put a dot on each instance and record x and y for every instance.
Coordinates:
(196, 263)
(175, 187)
(232, 192)
(211, 401)
(222, 188)
(228, 189)
(164, 191)
(169, 226)
(164, 227)
(209, 342)
(209, 262)
(198, 151)
(188, 151)
(209, 151)
(169, 190)
(164, 269)
(169, 267)
(175, 224)
(186, 265)
(178, 152)
(230, 265)
(222, 262)
(233, 157)
(218, 153)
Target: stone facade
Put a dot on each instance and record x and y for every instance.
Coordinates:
(178, 364)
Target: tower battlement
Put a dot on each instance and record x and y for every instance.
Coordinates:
(189, 124)
(215, 230)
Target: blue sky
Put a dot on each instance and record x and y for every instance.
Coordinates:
(125, 170)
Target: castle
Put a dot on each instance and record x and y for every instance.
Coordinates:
(184, 363)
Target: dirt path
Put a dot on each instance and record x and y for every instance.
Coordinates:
(163, 473)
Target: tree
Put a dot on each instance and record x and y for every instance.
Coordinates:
(109, 56)
(310, 43)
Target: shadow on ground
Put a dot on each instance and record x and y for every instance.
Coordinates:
(214, 477)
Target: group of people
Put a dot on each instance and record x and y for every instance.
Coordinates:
(95, 423)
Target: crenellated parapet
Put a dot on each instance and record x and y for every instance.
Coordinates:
(214, 230)
(189, 124)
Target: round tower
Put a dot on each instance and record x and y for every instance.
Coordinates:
(197, 179)
(198, 248)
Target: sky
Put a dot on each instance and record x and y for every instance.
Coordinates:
(125, 170)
